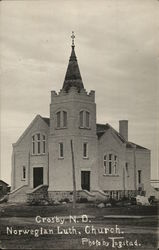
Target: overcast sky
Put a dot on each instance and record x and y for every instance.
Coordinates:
(117, 50)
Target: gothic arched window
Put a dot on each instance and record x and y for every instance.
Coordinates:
(84, 119)
(38, 144)
(61, 119)
(110, 164)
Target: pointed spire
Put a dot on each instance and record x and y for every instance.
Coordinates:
(73, 76)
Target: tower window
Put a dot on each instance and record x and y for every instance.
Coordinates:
(64, 119)
(85, 150)
(61, 150)
(61, 119)
(58, 119)
(87, 119)
(84, 119)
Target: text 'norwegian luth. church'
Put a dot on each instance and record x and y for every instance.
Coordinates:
(107, 164)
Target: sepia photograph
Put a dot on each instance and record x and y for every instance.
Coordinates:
(79, 165)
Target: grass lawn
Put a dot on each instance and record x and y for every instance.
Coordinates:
(24, 210)
(22, 217)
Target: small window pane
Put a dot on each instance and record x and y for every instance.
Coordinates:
(24, 172)
(44, 146)
(38, 147)
(33, 147)
(139, 176)
(87, 119)
(64, 119)
(81, 119)
(85, 150)
(58, 119)
(38, 137)
(110, 167)
(61, 152)
(110, 156)
(105, 157)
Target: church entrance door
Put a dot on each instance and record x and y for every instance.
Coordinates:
(85, 180)
(37, 176)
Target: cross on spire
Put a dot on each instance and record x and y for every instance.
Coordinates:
(73, 37)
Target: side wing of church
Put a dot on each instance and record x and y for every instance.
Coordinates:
(106, 163)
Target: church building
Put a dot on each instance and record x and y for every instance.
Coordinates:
(106, 163)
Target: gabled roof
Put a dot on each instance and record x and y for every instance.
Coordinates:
(47, 120)
(132, 145)
(73, 76)
(102, 128)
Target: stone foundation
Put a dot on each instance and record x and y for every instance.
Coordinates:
(60, 195)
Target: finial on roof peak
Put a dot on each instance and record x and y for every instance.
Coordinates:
(73, 37)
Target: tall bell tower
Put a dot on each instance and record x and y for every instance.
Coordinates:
(73, 117)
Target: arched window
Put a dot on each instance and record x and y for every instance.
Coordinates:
(110, 164)
(87, 119)
(61, 119)
(84, 119)
(64, 119)
(58, 119)
(38, 144)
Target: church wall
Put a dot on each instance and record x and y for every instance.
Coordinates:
(139, 159)
(109, 144)
(143, 164)
(22, 155)
(60, 172)
(130, 172)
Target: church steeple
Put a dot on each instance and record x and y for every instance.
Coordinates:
(73, 76)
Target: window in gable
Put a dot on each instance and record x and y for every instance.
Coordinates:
(110, 164)
(115, 164)
(38, 143)
(105, 164)
(33, 144)
(44, 144)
